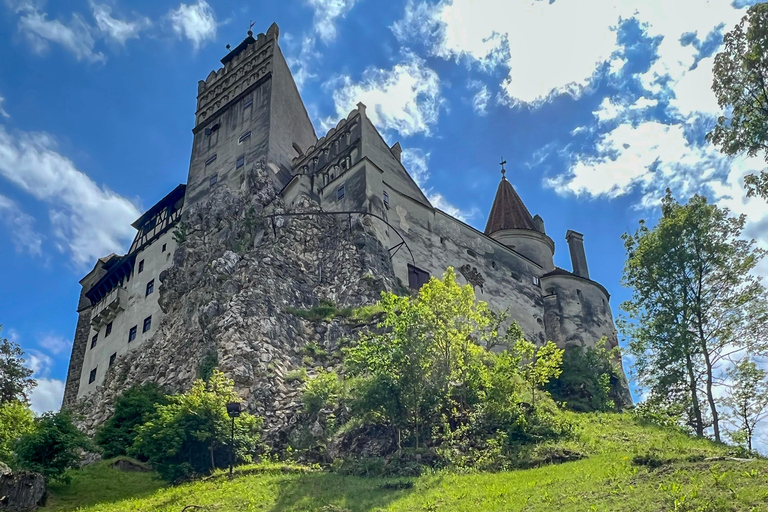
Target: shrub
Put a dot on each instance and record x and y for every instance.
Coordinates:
(590, 380)
(298, 375)
(16, 419)
(52, 446)
(132, 408)
(322, 391)
(191, 433)
(209, 363)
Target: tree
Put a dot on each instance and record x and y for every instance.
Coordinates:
(741, 86)
(537, 367)
(52, 446)
(191, 433)
(428, 360)
(694, 299)
(15, 378)
(16, 419)
(132, 408)
(747, 399)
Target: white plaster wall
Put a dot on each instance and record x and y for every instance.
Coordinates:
(136, 310)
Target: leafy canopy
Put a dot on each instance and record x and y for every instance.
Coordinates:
(16, 419)
(15, 378)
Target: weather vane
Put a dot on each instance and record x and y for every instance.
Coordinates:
(503, 170)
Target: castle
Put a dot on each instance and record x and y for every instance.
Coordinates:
(250, 116)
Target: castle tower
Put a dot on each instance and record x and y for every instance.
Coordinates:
(248, 112)
(511, 224)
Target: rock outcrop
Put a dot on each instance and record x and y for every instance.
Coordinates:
(237, 276)
(21, 491)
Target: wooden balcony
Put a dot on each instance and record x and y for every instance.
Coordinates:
(107, 308)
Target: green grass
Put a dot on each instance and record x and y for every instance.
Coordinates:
(607, 480)
(327, 310)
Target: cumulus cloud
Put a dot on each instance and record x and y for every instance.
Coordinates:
(404, 99)
(117, 29)
(55, 344)
(88, 221)
(481, 98)
(196, 22)
(326, 14)
(22, 227)
(75, 36)
(553, 48)
(416, 161)
(47, 395)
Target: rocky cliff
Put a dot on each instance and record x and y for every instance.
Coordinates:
(240, 273)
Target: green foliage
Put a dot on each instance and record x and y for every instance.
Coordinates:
(52, 446)
(740, 76)
(209, 363)
(15, 378)
(191, 433)
(298, 375)
(16, 419)
(181, 233)
(694, 301)
(132, 408)
(321, 391)
(327, 310)
(590, 379)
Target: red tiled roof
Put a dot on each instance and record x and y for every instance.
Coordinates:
(508, 211)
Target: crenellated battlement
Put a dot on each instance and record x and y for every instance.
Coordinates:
(246, 64)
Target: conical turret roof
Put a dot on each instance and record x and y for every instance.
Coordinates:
(508, 210)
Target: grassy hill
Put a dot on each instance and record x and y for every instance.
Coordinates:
(625, 467)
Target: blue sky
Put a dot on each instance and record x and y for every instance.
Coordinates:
(597, 107)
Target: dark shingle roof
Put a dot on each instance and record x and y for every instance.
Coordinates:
(508, 211)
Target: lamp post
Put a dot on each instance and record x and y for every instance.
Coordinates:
(233, 410)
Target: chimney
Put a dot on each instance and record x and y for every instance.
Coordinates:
(578, 258)
(538, 223)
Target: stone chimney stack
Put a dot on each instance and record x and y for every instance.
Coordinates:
(578, 257)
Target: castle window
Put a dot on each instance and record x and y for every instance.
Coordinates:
(536, 281)
(92, 376)
(214, 180)
(147, 324)
(340, 192)
(580, 295)
(94, 340)
(472, 253)
(112, 359)
(109, 330)
(141, 266)
(248, 102)
(164, 247)
(244, 136)
(550, 291)
(240, 161)
(417, 277)
(132, 334)
(493, 265)
(211, 159)
(150, 287)
(386, 200)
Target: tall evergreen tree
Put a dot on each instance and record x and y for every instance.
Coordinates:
(695, 300)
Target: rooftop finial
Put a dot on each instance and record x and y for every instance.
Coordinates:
(503, 170)
(250, 28)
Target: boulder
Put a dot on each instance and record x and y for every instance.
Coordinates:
(21, 491)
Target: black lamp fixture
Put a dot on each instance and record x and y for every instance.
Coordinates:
(233, 411)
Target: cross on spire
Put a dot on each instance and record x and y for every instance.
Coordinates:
(250, 28)
(503, 170)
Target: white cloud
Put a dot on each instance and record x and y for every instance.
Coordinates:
(3, 113)
(405, 99)
(300, 66)
(119, 30)
(88, 221)
(417, 164)
(527, 37)
(196, 22)
(55, 344)
(22, 226)
(326, 14)
(75, 36)
(481, 98)
(39, 363)
(47, 395)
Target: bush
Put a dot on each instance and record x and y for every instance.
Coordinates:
(52, 446)
(132, 408)
(322, 391)
(590, 380)
(16, 419)
(191, 433)
(298, 375)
